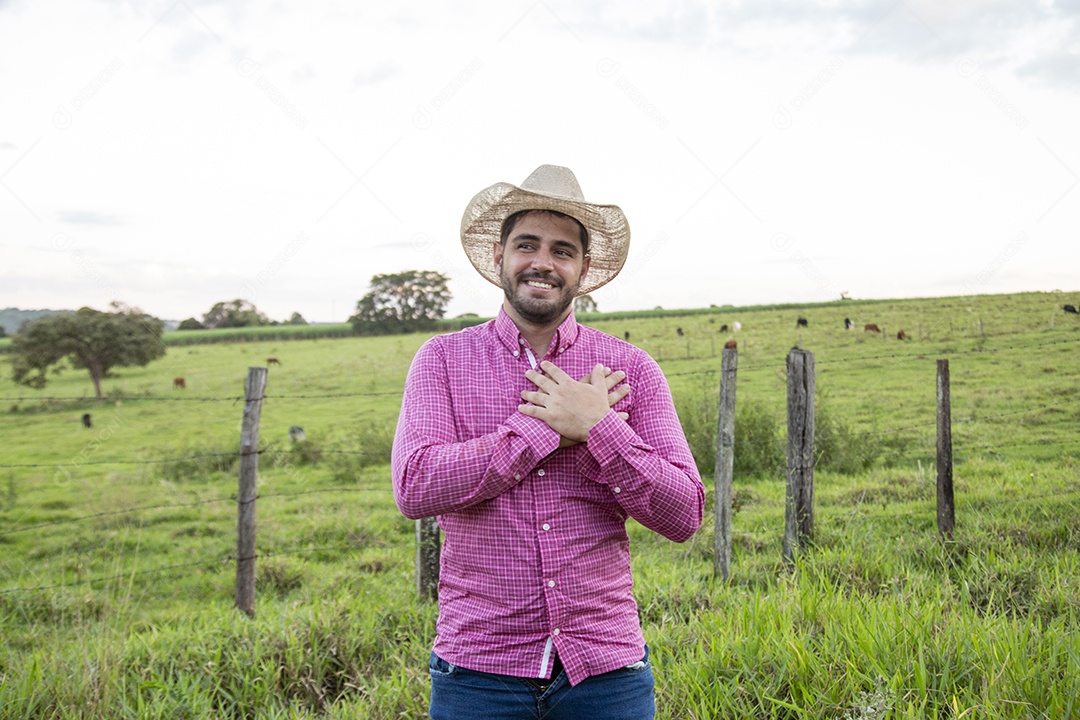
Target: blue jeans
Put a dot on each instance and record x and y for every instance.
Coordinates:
(460, 694)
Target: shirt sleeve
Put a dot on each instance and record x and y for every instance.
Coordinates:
(434, 471)
(646, 461)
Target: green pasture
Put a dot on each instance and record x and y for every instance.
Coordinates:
(116, 541)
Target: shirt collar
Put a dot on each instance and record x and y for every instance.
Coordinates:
(565, 335)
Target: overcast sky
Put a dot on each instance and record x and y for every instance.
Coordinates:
(171, 155)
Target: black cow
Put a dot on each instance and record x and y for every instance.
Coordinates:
(679, 332)
(848, 323)
(723, 328)
(626, 336)
(1072, 309)
(86, 420)
(802, 322)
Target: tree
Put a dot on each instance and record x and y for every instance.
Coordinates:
(296, 319)
(402, 302)
(3, 332)
(190, 324)
(236, 313)
(90, 339)
(585, 304)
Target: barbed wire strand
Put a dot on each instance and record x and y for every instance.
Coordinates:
(709, 371)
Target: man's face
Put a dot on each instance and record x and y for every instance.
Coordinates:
(541, 266)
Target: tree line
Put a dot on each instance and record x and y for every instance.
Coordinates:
(100, 341)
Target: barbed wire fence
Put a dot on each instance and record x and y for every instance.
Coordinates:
(427, 533)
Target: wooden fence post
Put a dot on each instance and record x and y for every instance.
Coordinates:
(946, 513)
(245, 497)
(725, 464)
(428, 549)
(799, 509)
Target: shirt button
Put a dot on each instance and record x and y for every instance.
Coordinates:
(561, 349)
(540, 472)
(521, 341)
(546, 526)
(551, 583)
(618, 490)
(555, 631)
(516, 353)
(518, 476)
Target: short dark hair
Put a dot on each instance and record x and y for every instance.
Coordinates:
(511, 221)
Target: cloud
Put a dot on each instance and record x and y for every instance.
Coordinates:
(375, 75)
(1035, 40)
(86, 217)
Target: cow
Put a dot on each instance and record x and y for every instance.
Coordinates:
(1072, 309)
(871, 327)
(723, 328)
(802, 322)
(626, 336)
(729, 345)
(901, 335)
(848, 323)
(272, 361)
(678, 331)
(296, 434)
(179, 384)
(86, 420)
(736, 326)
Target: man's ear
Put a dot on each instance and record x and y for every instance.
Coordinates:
(497, 252)
(584, 267)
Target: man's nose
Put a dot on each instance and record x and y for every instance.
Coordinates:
(542, 260)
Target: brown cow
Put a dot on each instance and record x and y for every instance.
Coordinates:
(901, 335)
(871, 327)
(272, 361)
(730, 344)
(179, 384)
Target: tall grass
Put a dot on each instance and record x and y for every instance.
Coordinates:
(117, 569)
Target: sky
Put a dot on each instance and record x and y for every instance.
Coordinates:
(175, 154)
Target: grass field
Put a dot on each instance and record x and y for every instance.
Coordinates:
(116, 542)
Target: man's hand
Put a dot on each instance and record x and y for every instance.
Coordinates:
(571, 407)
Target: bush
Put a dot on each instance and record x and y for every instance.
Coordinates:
(758, 447)
(760, 439)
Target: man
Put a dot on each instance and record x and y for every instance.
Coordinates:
(532, 474)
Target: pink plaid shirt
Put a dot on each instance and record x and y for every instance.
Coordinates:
(535, 557)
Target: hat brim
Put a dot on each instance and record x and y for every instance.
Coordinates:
(481, 225)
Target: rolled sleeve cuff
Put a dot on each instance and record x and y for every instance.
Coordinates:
(535, 432)
(608, 436)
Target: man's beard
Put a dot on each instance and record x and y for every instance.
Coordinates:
(536, 311)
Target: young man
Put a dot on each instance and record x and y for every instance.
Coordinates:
(532, 473)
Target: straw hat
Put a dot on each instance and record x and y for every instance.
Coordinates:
(550, 187)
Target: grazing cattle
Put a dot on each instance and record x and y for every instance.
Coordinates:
(678, 331)
(723, 328)
(871, 327)
(1072, 309)
(86, 420)
(802, 322)
(296, 434)
(179, 384)
(848, 323)
(730, 344)
(736, 326)
(626, 336)
(901, 335)
(272, 361)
